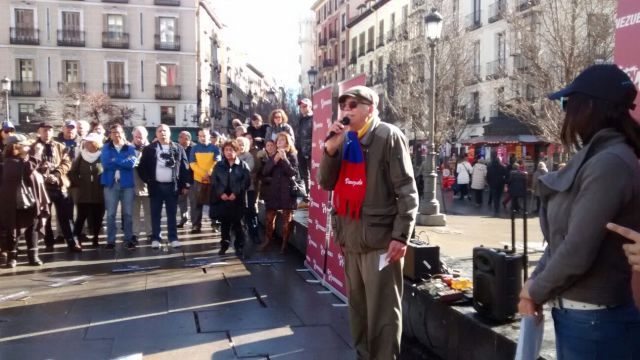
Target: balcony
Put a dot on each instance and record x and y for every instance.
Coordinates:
(473, 77)
(361, 50)
(24, 36)
(526, 4)
(520, 64)
(497, 11)
(391, 35)
(167, 2)
(73, 38)
(370, 46)
(402, 32)
(380, 41)
(116, 1)
(333, 36)
(168, 92)
(322, 42)
(117, 90)
(472, 114)
(328, 63)
(168, 119)
(473, 21)
(25, 88)
(353, 60)
(170, 43)
(71, 87)
(115, 40)
(496, 69)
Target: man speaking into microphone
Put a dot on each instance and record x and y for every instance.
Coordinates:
(375, 201)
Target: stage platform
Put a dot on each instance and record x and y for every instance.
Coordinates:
(450, 331)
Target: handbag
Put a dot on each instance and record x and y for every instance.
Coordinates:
(297, 187)
(25, 199)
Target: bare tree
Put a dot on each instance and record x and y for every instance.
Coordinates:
(98, 107)
(550, 44)
(122, 114)
(406, 94)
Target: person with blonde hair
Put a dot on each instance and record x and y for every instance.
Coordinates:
(279, 123)
(84, 176)
(281, 169)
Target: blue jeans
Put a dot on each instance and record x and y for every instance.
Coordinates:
(597, 334)
(112, 196)
(163, 194)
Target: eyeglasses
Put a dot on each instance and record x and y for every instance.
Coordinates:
(350, 104)
(564, 102)
(303, 105)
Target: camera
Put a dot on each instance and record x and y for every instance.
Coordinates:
(169, 159)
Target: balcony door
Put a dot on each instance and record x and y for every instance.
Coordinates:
(116, 73)
(25, 22)
(114, 26)
(25, 70)
(167, 74)
(71, 71)
(167, 29)
(71, 21)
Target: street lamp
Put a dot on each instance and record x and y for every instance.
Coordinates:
(429, 211)
(6, 87)
(312, 74)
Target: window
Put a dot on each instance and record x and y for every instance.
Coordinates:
(168, 115)
(167, 29)
(25, 111)
(167, 74)
(71, 71)
(381, 33)
(24, 19)
(343, 49)
(114, 24)
(343, 21)
(342, 74)
(476, 58)
(25, 70)
(501, 47)
(116, 72)
(370, 42)
(405, 13)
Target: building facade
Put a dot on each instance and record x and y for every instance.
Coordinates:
(141, 53)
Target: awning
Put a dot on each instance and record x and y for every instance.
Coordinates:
(504, 139)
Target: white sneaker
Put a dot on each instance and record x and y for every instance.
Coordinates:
(175, 244)
(155, 244)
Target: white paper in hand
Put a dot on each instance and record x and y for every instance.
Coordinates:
(530, 338)
(383, 261)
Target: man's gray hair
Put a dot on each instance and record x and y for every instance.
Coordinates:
(142, 130)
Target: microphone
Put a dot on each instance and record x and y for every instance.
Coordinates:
(345, 121)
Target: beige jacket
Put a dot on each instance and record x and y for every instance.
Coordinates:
(391, 199)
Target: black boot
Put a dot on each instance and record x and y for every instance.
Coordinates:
(34, 260)
(224, 246)
(12, 259)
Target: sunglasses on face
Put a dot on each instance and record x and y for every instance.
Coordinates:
(350, 104)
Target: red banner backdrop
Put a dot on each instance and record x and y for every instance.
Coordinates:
(318, 228)
(627, 53)
(335, 278)
(627, 56)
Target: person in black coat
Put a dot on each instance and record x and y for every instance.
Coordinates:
(230, 181)
(281, 169)
(165, 169)
(496, 178)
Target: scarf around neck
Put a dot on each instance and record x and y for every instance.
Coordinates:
(90, 157)
(348, 195)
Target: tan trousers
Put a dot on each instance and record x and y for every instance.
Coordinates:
(375, 305)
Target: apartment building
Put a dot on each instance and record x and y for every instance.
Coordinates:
(141, 53)
(209, 65)
(307, 42)
(332, 38)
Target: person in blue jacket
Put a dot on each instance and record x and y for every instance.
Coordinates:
(118, 159)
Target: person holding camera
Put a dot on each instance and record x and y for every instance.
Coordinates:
(165, 169)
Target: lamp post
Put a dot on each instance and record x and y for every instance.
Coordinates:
(312, 74)
(429, 211)
(6, 87)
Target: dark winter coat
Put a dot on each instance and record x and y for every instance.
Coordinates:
(303, 136)
(229, 179)
(281, 175)
(14, 170)
(85, 179)
(273, 131)
(147, 167)
(496, 175)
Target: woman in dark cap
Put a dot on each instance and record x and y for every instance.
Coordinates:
(29, 204)
(584, 275)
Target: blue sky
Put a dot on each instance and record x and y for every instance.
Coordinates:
(267, 31)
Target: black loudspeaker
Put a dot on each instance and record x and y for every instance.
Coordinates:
(421, 261)
(497, 281)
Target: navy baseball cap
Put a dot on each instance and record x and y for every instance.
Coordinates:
(602, 81)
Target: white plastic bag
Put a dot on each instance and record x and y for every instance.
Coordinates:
(530, 338)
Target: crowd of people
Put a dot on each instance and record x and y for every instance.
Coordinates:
(94, 178)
